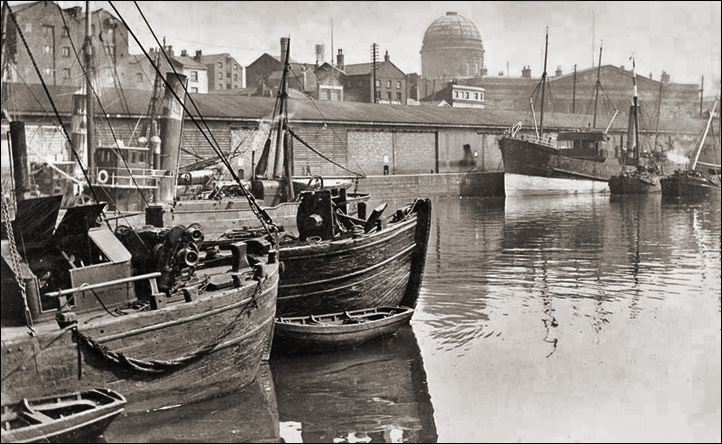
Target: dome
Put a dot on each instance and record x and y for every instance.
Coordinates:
(451, 28)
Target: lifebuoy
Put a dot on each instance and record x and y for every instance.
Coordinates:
(102, 176)
(515, 129)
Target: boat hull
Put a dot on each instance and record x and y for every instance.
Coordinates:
(290, 337)
(689, 185)
(382, 268)
(59, 359)
(78, 426)
(532, 168)
(630, 184)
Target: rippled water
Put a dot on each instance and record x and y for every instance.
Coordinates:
(590, 318)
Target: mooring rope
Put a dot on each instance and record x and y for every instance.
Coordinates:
(161, 366)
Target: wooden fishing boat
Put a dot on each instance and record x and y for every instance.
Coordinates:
(145, 311)
(326, 332)
(71, 417)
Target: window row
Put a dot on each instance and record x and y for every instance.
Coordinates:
(388, 84)
(465, 95)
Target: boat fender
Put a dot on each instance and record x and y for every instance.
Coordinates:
(102, 176)
(515, 129)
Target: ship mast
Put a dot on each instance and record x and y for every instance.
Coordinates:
(636, 112)
(89, 102)
(596, 88)
(544, 78)
(704, 136)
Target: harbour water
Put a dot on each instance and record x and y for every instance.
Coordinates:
(584, 318)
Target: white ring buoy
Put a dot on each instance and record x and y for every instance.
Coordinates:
(102, 176)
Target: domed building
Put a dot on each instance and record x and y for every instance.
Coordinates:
(452, 49)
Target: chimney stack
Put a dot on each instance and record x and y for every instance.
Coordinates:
(339, 60)
(559, 71)
(198, 55)
(386, 57)
(184, 53)
(284, 45)
(526, 72)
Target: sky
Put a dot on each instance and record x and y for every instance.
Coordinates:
(682, 38)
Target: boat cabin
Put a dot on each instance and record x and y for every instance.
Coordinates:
(123, 173)
(74, 266)
(586, 144)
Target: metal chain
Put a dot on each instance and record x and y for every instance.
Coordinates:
(16, 262)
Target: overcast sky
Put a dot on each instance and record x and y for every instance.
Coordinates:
(681, 38)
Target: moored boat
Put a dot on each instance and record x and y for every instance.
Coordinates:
(144, 311)
(68, 417)
(579, 161)
(696, 181)
(333, 331)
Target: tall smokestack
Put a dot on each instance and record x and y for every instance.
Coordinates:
(170, 134)
(21, 166)
(284, 45)
(339, 60)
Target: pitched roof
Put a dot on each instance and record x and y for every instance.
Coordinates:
(32, 100)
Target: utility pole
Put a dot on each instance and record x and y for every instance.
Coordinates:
(574, 90)
(374, 57)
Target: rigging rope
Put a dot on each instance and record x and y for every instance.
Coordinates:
(157, 366)
(258, 211)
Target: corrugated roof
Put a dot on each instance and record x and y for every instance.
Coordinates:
(305, 109)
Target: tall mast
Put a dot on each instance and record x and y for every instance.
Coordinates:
(704, 136)
(596, 88)
(89, 102)
(636, 112)
(282, 110)
(544, 79)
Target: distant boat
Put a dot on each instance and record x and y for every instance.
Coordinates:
(580, 161)
(333, 331)
(72, 417)
(696, 182)
(644, 179)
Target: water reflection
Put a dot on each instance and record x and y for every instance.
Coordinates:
(249, 415)
(373, 393)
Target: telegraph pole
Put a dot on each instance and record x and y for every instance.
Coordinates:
(374, 57)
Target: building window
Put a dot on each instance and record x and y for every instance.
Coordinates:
(194, 89)
(47, 31)
(66, 51)
(235, 66)
(228, 86)
(66, 73)
(398, 96)
(378, 94)
(482, 97)
(194, 76)
(388, 83)
(476, 96)
(47, 71)
(388, 95)
(139, 77)
(235, 77)
(456, 94)
(47, 49)
(378, 83)
(324, 94)
(398, 84)
(466, 95)
(66, 32)
(220, 86)
(220, 76)
(335, 96)
(220, 65)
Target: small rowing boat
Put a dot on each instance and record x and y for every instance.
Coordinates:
(319, 333)
(71, 417)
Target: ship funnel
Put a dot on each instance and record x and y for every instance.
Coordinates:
(170, 133)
